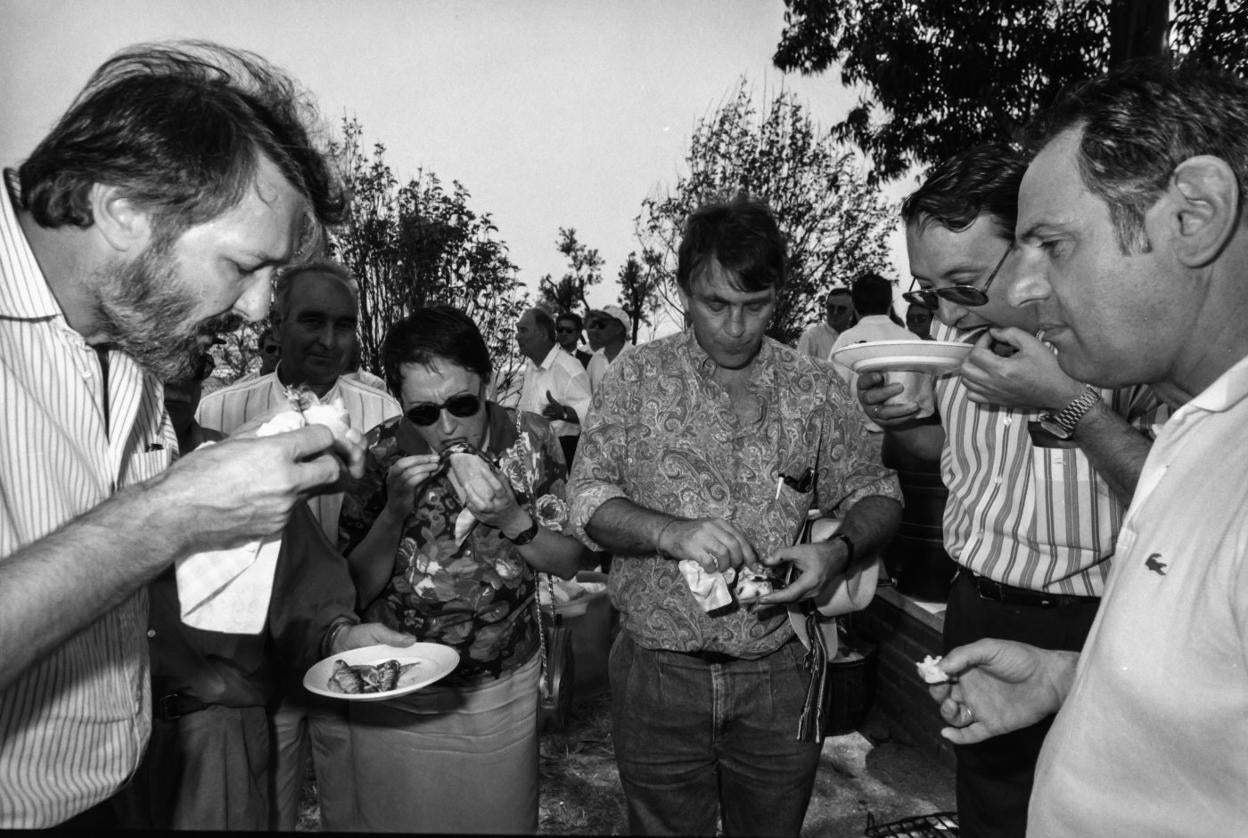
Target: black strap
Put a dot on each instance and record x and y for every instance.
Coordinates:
(811, 725)
(101, 352)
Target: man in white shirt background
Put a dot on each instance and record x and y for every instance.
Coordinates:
(555, 384)
(839, 315)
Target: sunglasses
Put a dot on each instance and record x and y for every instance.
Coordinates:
(565, 330)
(461, 406)
(962, 295)
(270, 349)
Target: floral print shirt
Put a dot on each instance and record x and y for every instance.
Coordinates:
(467, 589)
(662, 433)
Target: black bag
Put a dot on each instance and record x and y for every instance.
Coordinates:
(558, 666)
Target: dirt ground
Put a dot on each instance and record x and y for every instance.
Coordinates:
(860, 777)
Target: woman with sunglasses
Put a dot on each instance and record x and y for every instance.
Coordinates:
(461, 755)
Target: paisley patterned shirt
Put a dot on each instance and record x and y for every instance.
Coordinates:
(471, 591)
(662, 433)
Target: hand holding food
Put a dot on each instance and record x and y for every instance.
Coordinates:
(714, 543)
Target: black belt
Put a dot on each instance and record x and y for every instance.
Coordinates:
(1009, 595)
(713, 657)
(176, 705)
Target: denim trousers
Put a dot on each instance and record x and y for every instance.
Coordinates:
(697, 741)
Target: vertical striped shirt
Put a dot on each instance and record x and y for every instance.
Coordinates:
(73, 725)
(229, 408)
(1037, 518)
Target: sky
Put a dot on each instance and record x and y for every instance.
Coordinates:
(552, 113)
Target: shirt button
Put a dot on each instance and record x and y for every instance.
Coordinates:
(1007, 421)
(151, 633)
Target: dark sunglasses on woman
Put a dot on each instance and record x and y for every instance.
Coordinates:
(461, 406)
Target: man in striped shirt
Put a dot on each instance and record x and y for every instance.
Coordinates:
(160, 206)
(315, 314)
(1039, 467)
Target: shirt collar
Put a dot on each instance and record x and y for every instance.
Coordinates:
(1226, 391)
(706, 366)
(549, 360)
(25, 294)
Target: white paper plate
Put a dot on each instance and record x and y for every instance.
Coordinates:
(934, 356)
(433, 660)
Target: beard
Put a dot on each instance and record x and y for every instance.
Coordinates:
(145, 310)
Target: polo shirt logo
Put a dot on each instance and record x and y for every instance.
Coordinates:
(1155, 566)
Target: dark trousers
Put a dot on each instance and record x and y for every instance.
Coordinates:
(994, 778)
(696, 740)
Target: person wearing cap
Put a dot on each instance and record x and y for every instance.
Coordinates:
(610, 327)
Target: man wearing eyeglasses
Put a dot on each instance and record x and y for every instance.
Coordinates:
(315, 314)
(1039, 467)
(568, 335)
(839, 313)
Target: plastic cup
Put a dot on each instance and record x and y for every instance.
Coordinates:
(917, 391)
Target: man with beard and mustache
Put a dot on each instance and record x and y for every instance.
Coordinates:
(178, 182)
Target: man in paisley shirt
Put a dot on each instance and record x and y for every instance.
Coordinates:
(711, 446)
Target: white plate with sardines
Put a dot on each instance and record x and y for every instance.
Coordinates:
(377, 673)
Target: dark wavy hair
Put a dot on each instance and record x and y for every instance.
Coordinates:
(742, 236)
(179, 128)
(982, 180)
(1139, 122)
(433, 334)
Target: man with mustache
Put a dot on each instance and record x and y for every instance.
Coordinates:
(163, 202)
(1133, 252)
(1030, 517)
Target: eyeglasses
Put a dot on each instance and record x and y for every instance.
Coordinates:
(462, 406)
(962, 295)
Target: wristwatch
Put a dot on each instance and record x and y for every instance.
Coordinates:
(849, 546)
(1062, 424)
(526, 536)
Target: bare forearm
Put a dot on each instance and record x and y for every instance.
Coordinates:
(372, 560)
(1115, 448)
(553, 552)
(869, 524)
(57, 586)
(922, 441)
(627, 529)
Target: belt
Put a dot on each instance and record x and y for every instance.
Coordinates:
(713, 657)
(176, 705)
(1009, 595)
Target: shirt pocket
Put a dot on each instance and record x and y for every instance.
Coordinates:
(147, 465)
(1068, 495)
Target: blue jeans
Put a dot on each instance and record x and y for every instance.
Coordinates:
(696, 739)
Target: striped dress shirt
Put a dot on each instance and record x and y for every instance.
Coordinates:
(73, 725)
(1032, 517)
(228, 409)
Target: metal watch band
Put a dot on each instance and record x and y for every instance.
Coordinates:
(1068, 417)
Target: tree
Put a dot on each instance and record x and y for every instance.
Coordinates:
(942, 76)
(835, 223)
(568, 294)
(418, 244)
(639, 289)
